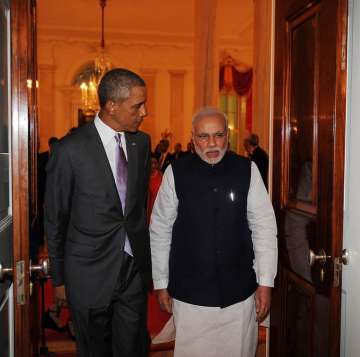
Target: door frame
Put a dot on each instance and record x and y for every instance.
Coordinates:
(338, 159)
(339, 169)
(21, 59)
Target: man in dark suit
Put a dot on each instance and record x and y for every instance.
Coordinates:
(95, 220)
(258, 155)
(42, 160)
(178, 153)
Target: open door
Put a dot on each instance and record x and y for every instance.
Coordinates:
(308, 134)
(6, 216)
(17, 172)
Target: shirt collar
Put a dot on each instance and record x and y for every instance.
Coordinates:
(106, 133)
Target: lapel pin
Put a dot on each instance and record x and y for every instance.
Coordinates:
(133, 144)
(232, 196)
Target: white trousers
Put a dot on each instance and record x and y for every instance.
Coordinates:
(203, 331)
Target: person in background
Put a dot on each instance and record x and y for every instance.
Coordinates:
(95, 222)
(257, 155)
(213, 245)
(154, 184)
(189, 149)
(43, 159)
(163, 155)
(177, 151)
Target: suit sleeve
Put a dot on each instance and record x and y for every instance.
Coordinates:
(59, 188)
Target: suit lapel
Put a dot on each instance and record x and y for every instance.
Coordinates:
(133, 161)
(97, 151)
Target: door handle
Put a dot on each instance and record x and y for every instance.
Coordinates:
(43, 267)
(321, 257)
(345, 257)
(5, 272)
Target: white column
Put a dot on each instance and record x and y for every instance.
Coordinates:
(177, 106)
(206, 59)
(262, 70)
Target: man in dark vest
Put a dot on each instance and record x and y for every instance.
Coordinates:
(213, 245)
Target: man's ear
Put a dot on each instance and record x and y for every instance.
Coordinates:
(109, 107)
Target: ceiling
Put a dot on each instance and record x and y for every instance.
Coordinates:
(170, 17)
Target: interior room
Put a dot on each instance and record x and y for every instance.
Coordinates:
(165, 43)
(286, 71)
(190, 53)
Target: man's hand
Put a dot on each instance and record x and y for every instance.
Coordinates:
(60, 296)
(262, 302)
(164, 300)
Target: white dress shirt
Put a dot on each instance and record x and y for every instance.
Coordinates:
(261, 220)
(107, 136)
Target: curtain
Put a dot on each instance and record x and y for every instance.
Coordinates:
(232, 78)
(241, 82)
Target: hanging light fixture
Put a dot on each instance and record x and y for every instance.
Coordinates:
(102, 61)
(102, 64)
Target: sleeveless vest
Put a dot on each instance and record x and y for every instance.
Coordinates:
(211, 255)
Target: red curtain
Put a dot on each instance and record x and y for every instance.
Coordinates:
(241, 82)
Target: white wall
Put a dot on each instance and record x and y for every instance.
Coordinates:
(350, 324)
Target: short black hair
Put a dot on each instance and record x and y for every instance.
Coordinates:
(52, 140)
(253, 140)
(116, 84)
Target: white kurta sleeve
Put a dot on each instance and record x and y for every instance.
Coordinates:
(261, 219)
(161, 223)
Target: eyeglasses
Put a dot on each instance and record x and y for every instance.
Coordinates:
(206, 137)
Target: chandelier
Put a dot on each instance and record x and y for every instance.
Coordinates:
(102, 64)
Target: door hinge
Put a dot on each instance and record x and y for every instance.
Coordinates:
(337, 271)
(20, 282)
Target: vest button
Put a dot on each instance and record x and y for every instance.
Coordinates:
(215, 189)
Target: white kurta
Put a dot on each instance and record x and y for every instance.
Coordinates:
(214, 332)
(202, 330)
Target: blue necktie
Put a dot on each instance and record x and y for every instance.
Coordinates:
(121, 175)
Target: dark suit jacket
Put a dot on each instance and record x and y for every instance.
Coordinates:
(261, 159)
(84, 222)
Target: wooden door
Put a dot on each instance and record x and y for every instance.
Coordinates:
(6, 219)
(308, 134)
(17, 130)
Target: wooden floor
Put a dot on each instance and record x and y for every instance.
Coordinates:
(62, 345)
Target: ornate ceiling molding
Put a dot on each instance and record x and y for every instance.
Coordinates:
(76, 34)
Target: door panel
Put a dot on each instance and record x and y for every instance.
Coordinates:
(6, 335)
(16, 102)
(307, 195)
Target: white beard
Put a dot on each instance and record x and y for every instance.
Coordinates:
(210, 161)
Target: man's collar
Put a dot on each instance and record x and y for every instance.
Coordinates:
(105, 131)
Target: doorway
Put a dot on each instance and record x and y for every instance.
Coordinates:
(18, 141)
(309, 137)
